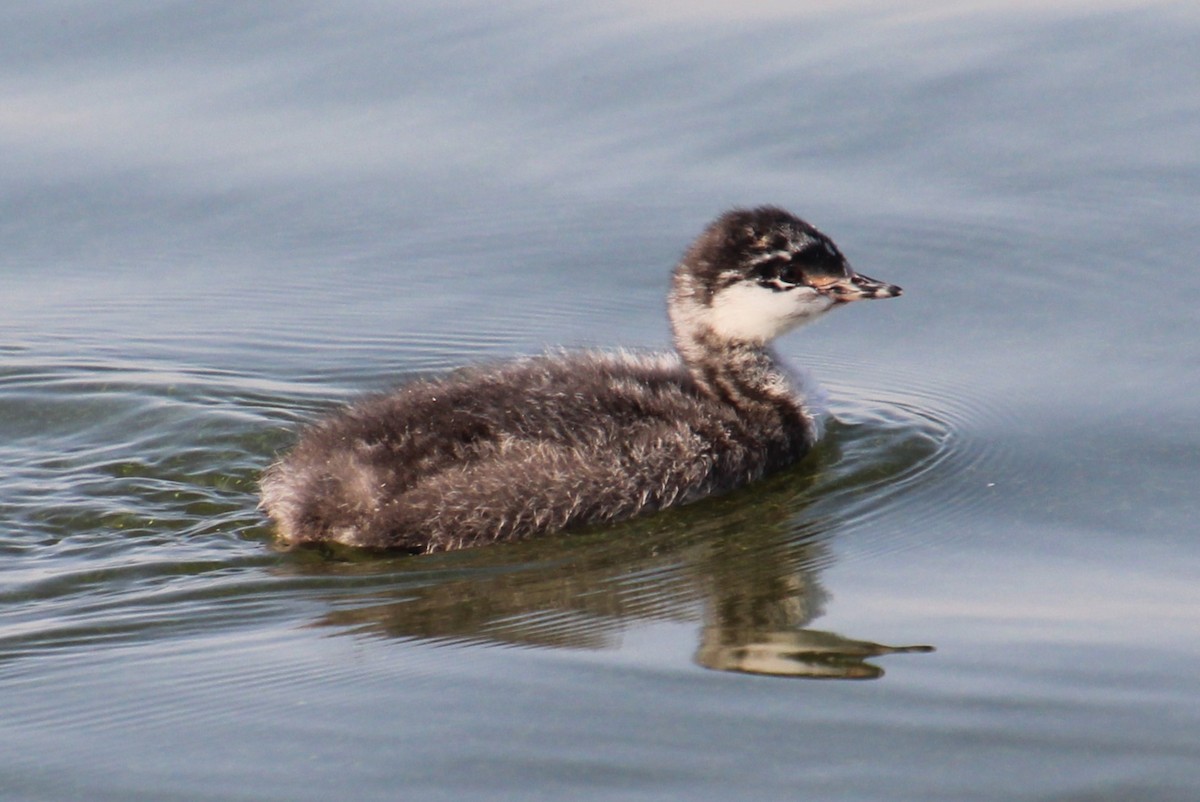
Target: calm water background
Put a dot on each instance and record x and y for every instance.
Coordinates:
(219, 220)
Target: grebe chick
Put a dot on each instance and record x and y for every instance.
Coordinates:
(498, 453)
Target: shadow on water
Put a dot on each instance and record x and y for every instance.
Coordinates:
(746, 567)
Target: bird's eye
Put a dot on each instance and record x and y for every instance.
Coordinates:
(779, 273)
(791, 273)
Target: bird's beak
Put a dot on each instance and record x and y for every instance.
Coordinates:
(854, 287)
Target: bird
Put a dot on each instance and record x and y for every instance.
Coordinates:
(507, 451)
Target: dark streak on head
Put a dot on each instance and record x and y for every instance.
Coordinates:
(766, 243)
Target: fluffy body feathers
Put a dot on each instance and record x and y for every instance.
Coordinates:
(496, 453)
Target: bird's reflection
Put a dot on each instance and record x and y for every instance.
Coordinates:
(742, 566)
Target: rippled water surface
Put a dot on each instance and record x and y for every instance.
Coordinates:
(220, 221)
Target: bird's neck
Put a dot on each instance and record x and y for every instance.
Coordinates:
(741, 373)
(735, 368)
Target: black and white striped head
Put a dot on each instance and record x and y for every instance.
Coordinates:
(757, 273)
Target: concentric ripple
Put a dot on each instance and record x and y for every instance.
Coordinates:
(126, 491)
(903, 443)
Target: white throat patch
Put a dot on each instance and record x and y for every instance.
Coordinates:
(752, 313)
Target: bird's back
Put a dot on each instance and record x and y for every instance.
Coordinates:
(491, 454)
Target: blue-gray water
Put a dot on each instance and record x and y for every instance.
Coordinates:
(218, 220)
